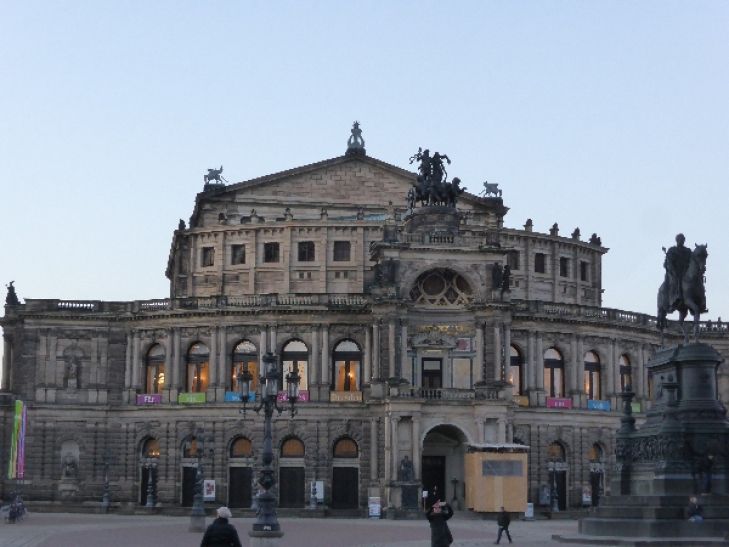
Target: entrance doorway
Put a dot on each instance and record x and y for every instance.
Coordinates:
(291, 487)
(240, 487)
(188, 485)
(442, 464)
(432, 373)
(345, 481)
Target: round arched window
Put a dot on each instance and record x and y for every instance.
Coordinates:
(241, 448)
(345, 448)
(553, 373)
(295, 353)
(245, 355)
(441, 287)
(347, 361)
(150, 448)
(626, 372)
(155, 369)
(198, 358)
(592, 375)
(292, 448)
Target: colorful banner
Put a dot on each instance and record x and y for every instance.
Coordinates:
(234, 397)
(16, 465)
(149, 399)
(345, 396)
(635, 407)
(556, 402)
(284, 396)
(595, 404)
(191, 398)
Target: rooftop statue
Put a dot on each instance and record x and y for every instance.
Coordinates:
(432, 186)
(490, 189)
(11, 299)
(683, 288)
(355, 143)
(215, 175)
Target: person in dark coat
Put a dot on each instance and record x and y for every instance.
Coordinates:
(220, 533)
(437, 515)
(503, 520)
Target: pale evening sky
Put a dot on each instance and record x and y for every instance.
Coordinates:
(610, 116)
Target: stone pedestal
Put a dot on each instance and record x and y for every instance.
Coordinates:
(265, 539)
(681, 450)
(197, 523)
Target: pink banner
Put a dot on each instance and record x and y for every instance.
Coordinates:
(284, 396)
(556, 402)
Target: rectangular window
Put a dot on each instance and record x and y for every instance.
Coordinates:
(342, 251)
(270, 252)
(554, 381)
(539, 263)
(584, 270)
(237, 254)
(512, 260)
(346, 374)
(208, 256)
(564, 266)
(306, 251)
(592, 383)
(155, 378)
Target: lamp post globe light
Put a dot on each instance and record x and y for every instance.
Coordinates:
(266, 527)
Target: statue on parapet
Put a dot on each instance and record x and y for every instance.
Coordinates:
(406, 472)
(683, 288)
(355, 143)
(11, 299)
(431, 186)
(215, 176)
(490, 189)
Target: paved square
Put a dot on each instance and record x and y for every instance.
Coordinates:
(75, 530)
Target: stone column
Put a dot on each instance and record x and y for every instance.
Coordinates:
(388, 447)
(6, 364)
(416, 447)
(367, 357)
(374, 447)
(507, 350)
(325, 357)
(213, 361)
(263, 346)
(612, 369)
(405, 369)
(497, 353)
(274, 335)
(531, 372)
(638, 372)
(391, 349)
(127, 362)
(574, 370)
(315, 365)
(176, 371)
(478, 371)
(395, 445)
(539, 359)
(224, 363)
(376, 372)
(169, 356)
(581, 367)
(136, 365)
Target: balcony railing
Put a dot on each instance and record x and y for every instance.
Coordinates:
(444, 394)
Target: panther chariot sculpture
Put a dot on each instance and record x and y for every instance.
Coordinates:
(214, 176)
(683, 288)
(431, 186)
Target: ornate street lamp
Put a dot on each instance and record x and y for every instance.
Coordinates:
(197, 515)
(266, 525)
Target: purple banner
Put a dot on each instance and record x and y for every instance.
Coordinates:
(284, 396)
(149, 399)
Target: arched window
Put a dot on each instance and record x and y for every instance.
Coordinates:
(245, 355)
(155, 369)
(190, 447)
(594, 455)
(556, 452)
(292, 448)
(150, 448)
(198, 364)
(516, 376)
(347, 361)
(553, 373)
(626, 372)
(441, 287)
(345, 448)
(592, 375)
(295, 353)
(241, 448)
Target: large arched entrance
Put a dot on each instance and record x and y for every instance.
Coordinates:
(444, 449)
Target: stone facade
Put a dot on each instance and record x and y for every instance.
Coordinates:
(405, 343)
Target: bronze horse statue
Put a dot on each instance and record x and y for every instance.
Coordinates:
(693, 295)
(214, 175)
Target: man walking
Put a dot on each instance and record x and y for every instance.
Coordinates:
(503, 520)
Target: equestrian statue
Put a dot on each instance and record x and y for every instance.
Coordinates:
(215, 175)
(683, 288)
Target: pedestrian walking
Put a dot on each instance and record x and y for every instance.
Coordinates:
(437, 515)
(220, 533)
(503, 520)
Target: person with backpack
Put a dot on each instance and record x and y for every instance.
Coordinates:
(503, 520)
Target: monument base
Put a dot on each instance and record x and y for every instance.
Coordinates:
(265, 539)
(197, 523)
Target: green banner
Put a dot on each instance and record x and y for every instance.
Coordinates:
(191, 398)
(635, 407)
